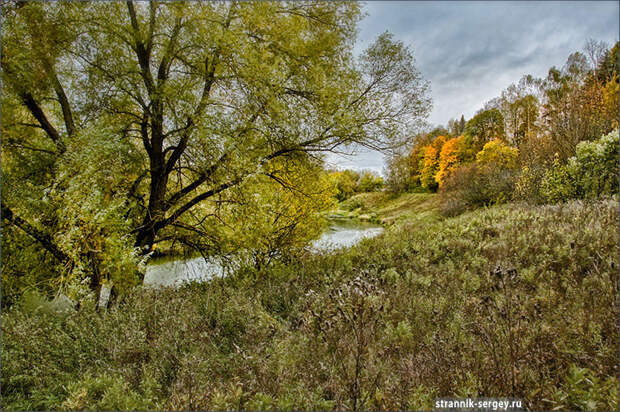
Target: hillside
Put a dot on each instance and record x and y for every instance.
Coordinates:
(388, 208)
(511, 300)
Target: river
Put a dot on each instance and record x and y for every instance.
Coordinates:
(167, 272)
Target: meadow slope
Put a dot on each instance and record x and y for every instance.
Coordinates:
(511, 301)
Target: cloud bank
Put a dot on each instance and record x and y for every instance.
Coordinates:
(471, 51)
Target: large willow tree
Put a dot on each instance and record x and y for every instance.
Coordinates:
(126, 124)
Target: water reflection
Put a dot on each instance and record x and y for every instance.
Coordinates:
(345, 233)
(166, 272)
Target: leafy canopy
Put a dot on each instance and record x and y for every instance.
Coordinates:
(137, 122)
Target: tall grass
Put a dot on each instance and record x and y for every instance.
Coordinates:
(511, 301)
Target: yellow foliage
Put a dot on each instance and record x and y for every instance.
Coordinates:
(498, 153)
(431, 163)
(610, 99)
(448, 159)
(439, 142)
(453, 153)
(283, 212)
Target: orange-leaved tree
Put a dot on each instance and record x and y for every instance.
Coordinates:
(431, 163)
(454, 152)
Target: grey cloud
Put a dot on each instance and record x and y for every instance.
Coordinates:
(471, 51)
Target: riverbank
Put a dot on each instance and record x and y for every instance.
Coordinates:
(495, 301)
(388, 209)
(175, 270)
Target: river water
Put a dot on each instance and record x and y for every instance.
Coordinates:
(166, 272)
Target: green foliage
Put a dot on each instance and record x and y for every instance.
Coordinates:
(485, 127)
(291, 215)
(346, 183)
(107, 392)
(132, 127)
(583, 390)
(389, 208)
(92, 192)
(369, 182)
(402, 172)
(349, 182)
(495, 301)
(558, 183)
(591, 173)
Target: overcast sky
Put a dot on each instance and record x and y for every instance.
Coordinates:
(471, 51)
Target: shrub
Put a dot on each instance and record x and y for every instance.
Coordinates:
(583, 390)
(108, 393)
(528, 184)
(369, 182)
(591, 173)
(473, 185)
(558, 183)
(346, 183)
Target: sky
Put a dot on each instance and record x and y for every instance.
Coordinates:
(471, 51)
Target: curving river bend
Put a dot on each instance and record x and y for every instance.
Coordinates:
(164, 272)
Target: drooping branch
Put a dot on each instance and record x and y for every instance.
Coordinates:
(196, 183)
(15, 143)
(205, 195)
(206, 174)
(38, 114)
(43, 238)
(194, 201)
(67, 113)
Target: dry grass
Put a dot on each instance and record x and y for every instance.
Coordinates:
(510, 301)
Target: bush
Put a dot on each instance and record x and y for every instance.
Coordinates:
(474, 185)
(398, 173)
(528, 184)
(591, 173)
(369, 182)
(346, 183)
(499, 154)
(559, 183)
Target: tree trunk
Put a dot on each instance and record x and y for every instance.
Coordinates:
(156, 207)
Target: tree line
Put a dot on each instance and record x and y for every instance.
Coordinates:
(513, 145)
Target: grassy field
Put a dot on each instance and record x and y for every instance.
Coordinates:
(510, 301)
(387, 208)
